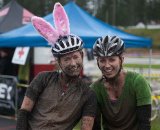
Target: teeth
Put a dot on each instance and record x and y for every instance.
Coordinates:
(108, 70)
(74, 69)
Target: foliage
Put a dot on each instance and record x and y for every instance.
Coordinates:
(114, 12)
(150, 33)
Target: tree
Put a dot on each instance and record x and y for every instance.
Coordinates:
(114, 12)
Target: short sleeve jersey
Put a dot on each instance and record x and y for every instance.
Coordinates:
(121, 115)
(55, 110)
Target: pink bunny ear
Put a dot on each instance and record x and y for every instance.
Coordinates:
(45, 29)
(61, 20)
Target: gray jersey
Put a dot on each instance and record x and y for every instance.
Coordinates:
(55, 110)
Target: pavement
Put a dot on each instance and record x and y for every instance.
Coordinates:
(7, 123)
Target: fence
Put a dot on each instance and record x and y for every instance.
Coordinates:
(8, 95)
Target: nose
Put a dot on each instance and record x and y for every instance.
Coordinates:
(73, 62)
(107, 64)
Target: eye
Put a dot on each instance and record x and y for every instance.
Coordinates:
(76, 57)
(102, 60)
(66, 58)
(112, 59)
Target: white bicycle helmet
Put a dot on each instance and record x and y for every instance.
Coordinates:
(66, 45)
(108, 46)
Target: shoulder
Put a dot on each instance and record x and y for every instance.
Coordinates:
(85, 88)
(132, 74)
(97, 87)
(97, 84)
(47, 74)
(134, 77)
(45, 77)
(139, 82)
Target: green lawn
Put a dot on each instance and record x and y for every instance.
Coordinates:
(141, 66)
(155, 125)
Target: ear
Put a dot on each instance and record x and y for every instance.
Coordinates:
(122, 58)
(45, 29)
(82, 54)
(61, 20)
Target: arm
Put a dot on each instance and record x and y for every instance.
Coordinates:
(97, 121)
(143, 98)
(143, 117)
(23, 114)
(87, 123)
(89, 112)
(27, 104)
(33, 91)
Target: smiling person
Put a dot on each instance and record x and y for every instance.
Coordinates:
(124, 97)
(58, 100)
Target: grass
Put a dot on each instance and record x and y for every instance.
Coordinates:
(155, 125)
(77, 126)
(141, 66)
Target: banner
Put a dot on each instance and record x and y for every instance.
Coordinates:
(8, 96)
(20, 55)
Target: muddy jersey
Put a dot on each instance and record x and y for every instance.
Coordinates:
(121, 114)
(54, 109)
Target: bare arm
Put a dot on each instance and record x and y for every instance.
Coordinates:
(23, 114)
(27, 104)
(87, 123)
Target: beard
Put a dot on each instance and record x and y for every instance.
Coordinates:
(73, 71)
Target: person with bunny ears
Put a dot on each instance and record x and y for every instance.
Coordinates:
(58, 100)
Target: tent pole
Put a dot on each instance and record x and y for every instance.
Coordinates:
(150, 64)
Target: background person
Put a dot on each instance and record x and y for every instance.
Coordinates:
(58, 100)
(124, 97)
(6, 66)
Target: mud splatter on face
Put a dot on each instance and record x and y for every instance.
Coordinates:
(109, 66)
(72, 63)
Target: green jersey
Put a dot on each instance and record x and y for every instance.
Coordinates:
(121, 114)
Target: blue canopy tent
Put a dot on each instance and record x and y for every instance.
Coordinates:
(81, 23)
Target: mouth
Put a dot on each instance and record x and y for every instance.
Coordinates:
(74, 69)
(107, 71)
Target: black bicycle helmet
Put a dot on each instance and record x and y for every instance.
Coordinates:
(66, 45)
(108, 46)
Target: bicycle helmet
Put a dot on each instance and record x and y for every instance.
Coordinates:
(67, 44)
(108, 46)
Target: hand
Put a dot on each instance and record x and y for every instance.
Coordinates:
(87, 123)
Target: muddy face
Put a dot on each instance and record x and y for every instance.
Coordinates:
(109, 66)
(72, 63)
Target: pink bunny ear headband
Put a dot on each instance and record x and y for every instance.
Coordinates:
(47, 31)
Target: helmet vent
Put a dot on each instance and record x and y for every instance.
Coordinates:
(72, 41)
(67, 43)
(57, 47)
